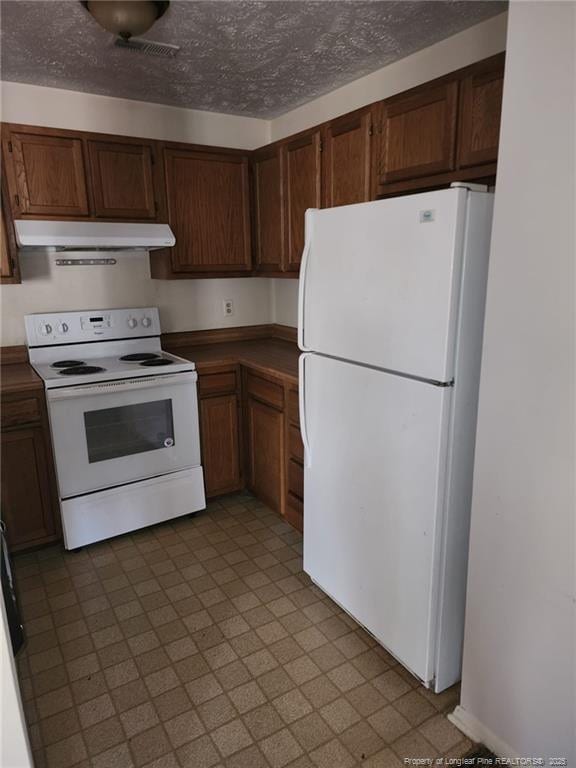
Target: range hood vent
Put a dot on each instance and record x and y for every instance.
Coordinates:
(91, 236)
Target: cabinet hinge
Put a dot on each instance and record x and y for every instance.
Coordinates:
(9, 146)
(321, 146)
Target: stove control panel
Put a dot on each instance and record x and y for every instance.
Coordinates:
(93, 325)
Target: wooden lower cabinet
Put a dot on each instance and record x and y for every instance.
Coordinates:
(29, 505)
(258, 445)
(219, 427)
(219, 409)
(265, 438)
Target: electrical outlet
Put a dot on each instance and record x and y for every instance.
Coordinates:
(228, 306)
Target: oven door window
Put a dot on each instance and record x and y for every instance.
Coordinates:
(129, 429)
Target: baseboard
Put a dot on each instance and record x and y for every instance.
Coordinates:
(477, 731)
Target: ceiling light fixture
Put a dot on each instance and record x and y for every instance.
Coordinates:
(126, 18)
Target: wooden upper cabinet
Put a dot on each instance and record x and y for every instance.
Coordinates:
(49, 175)
(208, 210)
(122, 179)
(268, 215)
(303, 185)
(419, 133)
(480, 108)
(9, 271)
(347, 159)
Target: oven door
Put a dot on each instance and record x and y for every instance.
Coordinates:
(118, 432)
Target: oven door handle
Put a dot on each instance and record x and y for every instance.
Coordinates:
(122, 385)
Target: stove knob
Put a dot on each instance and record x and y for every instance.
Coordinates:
(146, 322)
(132, 322)
(45, 329)
(63, 328)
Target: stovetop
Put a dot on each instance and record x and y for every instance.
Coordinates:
(58, 373)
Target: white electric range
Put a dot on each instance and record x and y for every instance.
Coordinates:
(123, 418)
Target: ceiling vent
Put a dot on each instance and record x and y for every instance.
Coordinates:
(148, 47)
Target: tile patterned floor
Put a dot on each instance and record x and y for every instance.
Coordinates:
(202, 643)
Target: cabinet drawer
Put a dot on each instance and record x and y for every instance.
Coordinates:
(295, 479)
(293, 407)
(16, 412)
(295, 512)
(217, 383)
(265, 390)
(295, 446)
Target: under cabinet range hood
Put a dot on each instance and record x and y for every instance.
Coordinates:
(91, 236)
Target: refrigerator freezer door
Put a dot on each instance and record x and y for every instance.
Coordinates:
(373, 492)
(380, 282)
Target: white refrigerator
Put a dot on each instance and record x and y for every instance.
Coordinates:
(391, 309)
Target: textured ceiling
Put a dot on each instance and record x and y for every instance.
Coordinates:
(243, 57)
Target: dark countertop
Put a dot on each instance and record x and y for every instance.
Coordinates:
(271, 356)
(19, 377)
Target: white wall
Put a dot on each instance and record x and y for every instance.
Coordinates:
(184, 304)
(478, 42)
(58, 108)
(14, 745)
(519, 681)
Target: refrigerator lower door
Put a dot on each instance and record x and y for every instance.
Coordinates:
(373, 495)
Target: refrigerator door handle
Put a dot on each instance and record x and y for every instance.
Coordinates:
(302, 408)
(302, 283)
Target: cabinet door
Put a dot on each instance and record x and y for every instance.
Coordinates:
(208, 210)
(302, 191)
(265, 433)
(219, 428)
(346, 159)
(480, 108)
(419, 133)
(9, 272)
(268, 175)
(122, 180)
(49, 175)
(26, 494)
